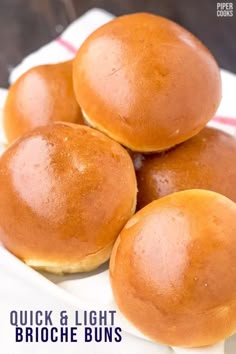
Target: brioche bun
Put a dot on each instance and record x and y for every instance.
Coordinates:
(146, 82)
(66, 192)
(173, 269)
(42, 95)
(206, 161)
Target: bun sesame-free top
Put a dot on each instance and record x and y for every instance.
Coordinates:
(146, 82)
(173, 269)
(207, 161)
(66, 192)
(42, 95)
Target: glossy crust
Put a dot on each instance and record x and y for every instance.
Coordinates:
(42, 95)
(173, 269)
(66, 192)
(146, 82)
(204, 162)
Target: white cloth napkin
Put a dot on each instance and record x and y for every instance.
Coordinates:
(64, 47)
(93, 291)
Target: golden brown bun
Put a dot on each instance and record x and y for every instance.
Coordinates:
(66, 192)
(206, 161)
(146, 82)
(173, 269)
(42, 95)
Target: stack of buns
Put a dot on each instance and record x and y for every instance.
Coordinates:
(128, 113)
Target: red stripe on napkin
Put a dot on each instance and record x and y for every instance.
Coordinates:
(225, 120)
(68, 46)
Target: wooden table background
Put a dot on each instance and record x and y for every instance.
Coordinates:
(25, 25)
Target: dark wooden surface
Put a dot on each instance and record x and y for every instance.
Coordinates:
(25, 25)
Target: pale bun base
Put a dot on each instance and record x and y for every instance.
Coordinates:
(87, 264)
(89, 122)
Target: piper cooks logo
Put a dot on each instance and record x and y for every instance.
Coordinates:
(224, 9)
